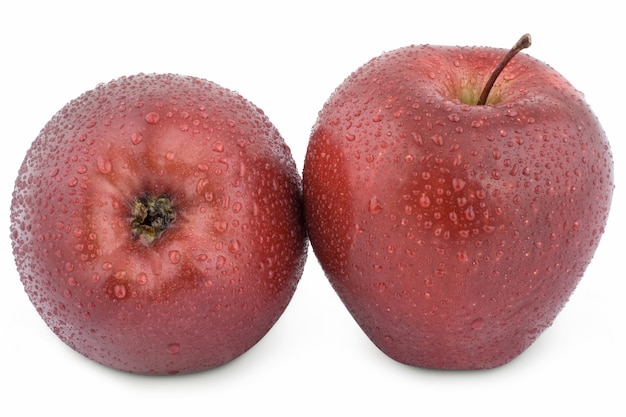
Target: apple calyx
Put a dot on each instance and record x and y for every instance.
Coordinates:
(151, 216)
(523, 43)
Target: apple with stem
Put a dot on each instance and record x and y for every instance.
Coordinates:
(157, 224)
(454, 197)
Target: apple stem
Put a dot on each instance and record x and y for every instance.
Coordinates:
(151, 216)
(522, 43)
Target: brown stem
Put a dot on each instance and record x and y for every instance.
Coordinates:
(522, 43)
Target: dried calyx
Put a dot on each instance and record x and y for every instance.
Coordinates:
(151, 216)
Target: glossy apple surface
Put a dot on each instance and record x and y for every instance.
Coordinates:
(157, 224)
(453, 232)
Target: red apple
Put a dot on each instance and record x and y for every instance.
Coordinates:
(157, 224)
(455, 231)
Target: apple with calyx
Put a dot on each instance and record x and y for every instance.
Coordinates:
(157, 224)
(454, 197)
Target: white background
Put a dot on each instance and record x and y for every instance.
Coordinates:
(287, 58)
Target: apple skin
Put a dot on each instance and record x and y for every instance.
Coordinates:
(213, 283)
(455, 233)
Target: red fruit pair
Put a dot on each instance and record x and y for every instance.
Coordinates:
(157, 221)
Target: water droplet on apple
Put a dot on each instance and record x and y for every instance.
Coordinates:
(218, 146)
(173, 348)
(136, 138)
(508, 76)
(153, 118)
(221, 225)
(104, 164)
(142, 278)
(437, 139)
(462, 256)
(478, 324)
(374, 206)
(458, 160)
(424, 201)
(234, 246)
(220, 262)
(350, 137)
(202, 183)
(458, 184)
(174, 256)
(119, 290)
(377, 118)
